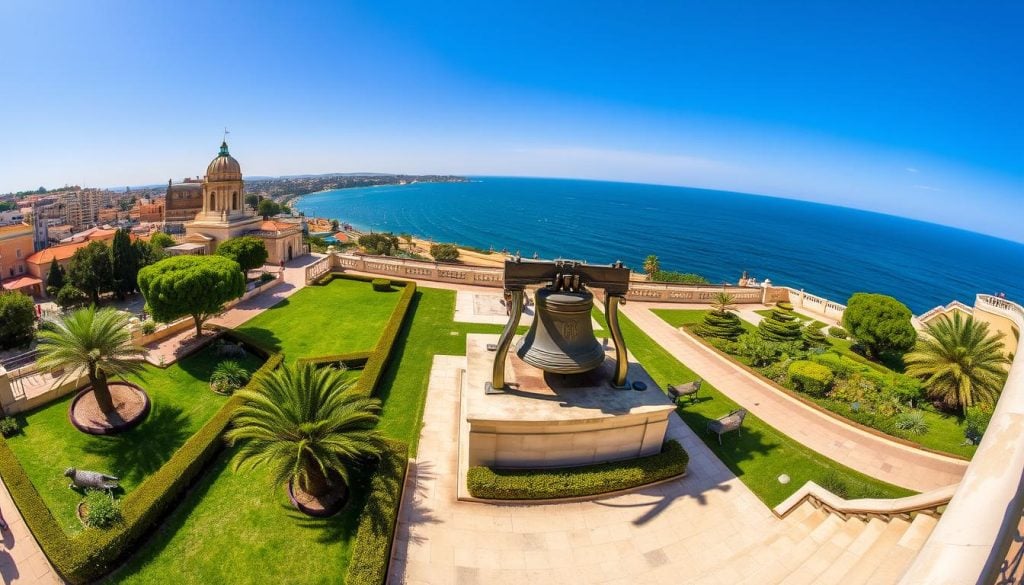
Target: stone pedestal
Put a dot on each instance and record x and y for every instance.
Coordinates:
(552, 420)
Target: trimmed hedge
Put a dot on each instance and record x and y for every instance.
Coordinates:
(381, 284)
(92, 553)
(781, 326)
(838, 332)
(570, 482)
(371, 548)
(810, 377)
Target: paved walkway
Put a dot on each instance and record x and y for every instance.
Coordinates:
(658, 534)
(866, 452)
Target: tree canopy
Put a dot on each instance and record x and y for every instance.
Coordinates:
(161, 239)
(17, 320)
(880, 323)
(190, 285)
(90, 270)
(385, 244)
(249, 251)
(55, 278)
(124, 265)
(444, 252)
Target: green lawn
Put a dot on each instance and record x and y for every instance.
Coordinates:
(761, 454)
(182, 402)
(238, 528)
(339, 317)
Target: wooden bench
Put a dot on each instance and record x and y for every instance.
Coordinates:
(687, 390)
(730, 422)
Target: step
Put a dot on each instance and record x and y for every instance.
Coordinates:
(899, 558)
(854, 552)
(795, 526)
(789, 555)
(809, 571)
(875, 555)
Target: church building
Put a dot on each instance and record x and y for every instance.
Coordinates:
(224, 216)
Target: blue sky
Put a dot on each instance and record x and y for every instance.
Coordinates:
(909, 108)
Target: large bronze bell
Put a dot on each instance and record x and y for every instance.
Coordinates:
(561, 339)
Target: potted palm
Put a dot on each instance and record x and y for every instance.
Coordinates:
(97, 342)
(310, 430)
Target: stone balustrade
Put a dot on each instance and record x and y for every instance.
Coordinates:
(970, 543)
(930, 502)
(317, 269)
(924, 317)
(816, 304)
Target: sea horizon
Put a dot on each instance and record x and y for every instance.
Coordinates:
(925, 264)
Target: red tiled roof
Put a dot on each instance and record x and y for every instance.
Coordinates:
(20, 282)
(277, 226)
(61, 252)
(342, 237)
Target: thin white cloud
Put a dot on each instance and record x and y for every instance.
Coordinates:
(927, 188)
(912, 170)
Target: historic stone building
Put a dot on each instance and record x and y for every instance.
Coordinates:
(223, 216)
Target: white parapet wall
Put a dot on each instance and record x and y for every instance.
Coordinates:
(970, 542)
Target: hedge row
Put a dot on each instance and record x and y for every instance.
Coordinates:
(378, 358)
(571, 482)
(371, 548)
(92, 553)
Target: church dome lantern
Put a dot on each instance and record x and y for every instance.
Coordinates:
(224, 167)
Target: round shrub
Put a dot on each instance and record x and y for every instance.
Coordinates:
(784, 305)
(17, 319)
(101, 509)
(9, 426)
(838, 332)
(381, 284)
(841, 367)
(810, 377)
(148, 327)
(229, 376)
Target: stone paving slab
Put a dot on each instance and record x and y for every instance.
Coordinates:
(652, 535)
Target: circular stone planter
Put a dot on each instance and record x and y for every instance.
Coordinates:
(132, 406)
(318, 508)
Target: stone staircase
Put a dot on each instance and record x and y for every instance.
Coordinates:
(814, 546)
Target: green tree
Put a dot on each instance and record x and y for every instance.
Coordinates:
(197, 286)
(781, 326)
(303, 424)
(334, 225)
(959, 362)
(96, 340)
(252, 200)
(755, 348)
(70, 296)
(124, 265)
(880, 323)
(651, 266)
(720, 321)
(249, 251)
(90, 270)
(444, 252)
(55, 278)
(162, 240)
(385, 244)
(268, 207)
(17, 319)
(814, 336)
(146, 253)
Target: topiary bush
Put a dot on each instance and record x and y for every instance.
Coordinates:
(976, 422)
(781, 326)
(101, 509)
(813, 336)
(838, 332)
(148, 327)
(841, 366)
(810, 377)
(717, 325)
(588, 480)
(381, 284)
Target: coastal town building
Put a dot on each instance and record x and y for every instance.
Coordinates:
(38, 264)
(16, 247)
(147, 210)
(181, 203)
(223, 215)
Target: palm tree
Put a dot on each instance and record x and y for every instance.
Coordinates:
(303, 424)
(723, 303)
(960, 363)
(96, 340)
(651, 266)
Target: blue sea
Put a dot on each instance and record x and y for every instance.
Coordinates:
(829, 251)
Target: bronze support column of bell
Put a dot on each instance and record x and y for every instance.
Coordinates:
(611, 314)
(497, 382)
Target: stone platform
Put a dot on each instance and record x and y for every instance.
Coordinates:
(550, 420)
